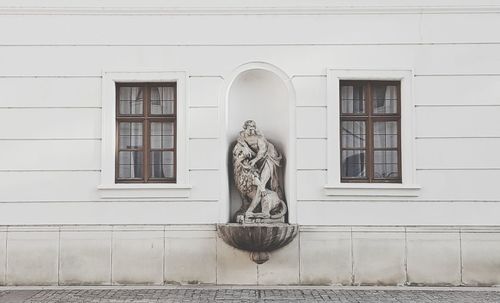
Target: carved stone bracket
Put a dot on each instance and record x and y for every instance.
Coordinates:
(258, 239)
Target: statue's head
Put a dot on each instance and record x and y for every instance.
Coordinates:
(250, 127)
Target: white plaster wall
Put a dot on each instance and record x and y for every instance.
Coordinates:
(50, 106)
(51, 64)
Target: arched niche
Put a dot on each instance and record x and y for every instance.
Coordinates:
(263, 93)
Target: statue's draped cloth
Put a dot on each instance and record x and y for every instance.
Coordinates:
(271, 157)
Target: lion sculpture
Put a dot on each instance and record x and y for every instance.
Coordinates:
(253, 192)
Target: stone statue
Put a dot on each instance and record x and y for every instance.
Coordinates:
(256, 165)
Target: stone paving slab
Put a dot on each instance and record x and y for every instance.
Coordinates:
(247, 295)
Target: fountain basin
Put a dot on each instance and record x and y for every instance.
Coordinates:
(258, 239)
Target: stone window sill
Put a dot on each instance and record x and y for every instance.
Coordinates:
(372, 190)
(144, 191)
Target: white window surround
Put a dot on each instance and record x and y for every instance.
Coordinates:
(108, 189)
(408, 187)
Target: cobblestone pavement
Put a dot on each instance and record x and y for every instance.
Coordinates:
(247, 295)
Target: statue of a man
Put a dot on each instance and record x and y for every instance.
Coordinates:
(263, 156)
(255, 168)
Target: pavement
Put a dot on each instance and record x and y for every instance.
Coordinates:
(249, 294)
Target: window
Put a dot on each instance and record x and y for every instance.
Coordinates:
(146, 126)
(144, 176)
(370, 123)
(371, 135)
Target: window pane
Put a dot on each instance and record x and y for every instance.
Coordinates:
(167, 142)
(125, 128)
(130, 135)
(155, 142)
(162, 164)
(353, 134)
(353, 163)
(130, 158)
(168, 128)
(168, 170)
(130, 164)
(136, 128)
(156, 135)
(352, 99)
(156, 171)
(125, 158)
(124, 172)
(385, 134)
(167, 157)
(162, 135)
(386, 164)
(162, 100)
(137, 171)
(162, 171)
(162, 142)
(131, 100)
(125, 107)
(156, 128)
(155, 159)
(135, 142)
(125, 142)
(385, 99)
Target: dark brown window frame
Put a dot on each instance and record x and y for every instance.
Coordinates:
(146, 119)
(369, 117)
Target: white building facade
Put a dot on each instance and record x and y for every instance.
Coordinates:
(67, 217)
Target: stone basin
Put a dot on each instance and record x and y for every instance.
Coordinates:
(258, 239)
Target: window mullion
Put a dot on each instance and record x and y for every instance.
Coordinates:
(369, 126)
(146, 134)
